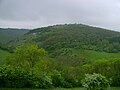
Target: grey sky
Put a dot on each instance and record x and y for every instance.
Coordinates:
(38, 13)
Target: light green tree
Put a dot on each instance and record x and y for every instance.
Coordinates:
(27, 56)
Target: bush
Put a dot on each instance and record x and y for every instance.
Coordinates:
(42, 81)
(57, 79)
(95, 82)
(11, 77)
(14, 77)
(108, 68)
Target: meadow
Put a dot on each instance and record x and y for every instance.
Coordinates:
(94, 55)
(3, 56)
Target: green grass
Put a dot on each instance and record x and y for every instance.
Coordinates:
(3, 56)
(112, 88)
(89, 55)
(94, 55)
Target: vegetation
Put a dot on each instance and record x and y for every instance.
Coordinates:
(27, 55)
(29, 66)
(9, 34)
(6, 35)
(60, 56)
(95, 82)
(112, 88)
(3, 56)
(23, 68)
(60, 38)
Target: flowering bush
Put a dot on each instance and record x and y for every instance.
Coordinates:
(95, 82)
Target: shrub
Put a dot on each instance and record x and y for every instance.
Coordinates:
(17, 77)
(108, 68)
(57, 79)
(95, 82)
(14, 77)
(42, 81)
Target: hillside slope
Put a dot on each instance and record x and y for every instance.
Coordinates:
(3, 55)
(62, 39)
(7, 34)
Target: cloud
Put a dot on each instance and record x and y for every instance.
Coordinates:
(37, 13)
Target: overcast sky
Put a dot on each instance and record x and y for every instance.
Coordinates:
(38, 13)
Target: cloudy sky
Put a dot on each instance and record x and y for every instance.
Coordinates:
(38, 13)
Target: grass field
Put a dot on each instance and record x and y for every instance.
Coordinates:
(112, 88)
(3, 55)
(94, 55)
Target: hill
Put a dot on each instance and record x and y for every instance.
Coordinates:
(74, 48)
(70, 41)
(62, 38)
(8, 34)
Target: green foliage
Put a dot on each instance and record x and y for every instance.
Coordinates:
(74, 48)
(57, 78)
(27, 67)
(13, 77)
(95, 82)
(19, 78)
(60, 39)
(115, 71)
(108, 68)
(79, 88)
(27, 56)
(41, 81)
(72, 76)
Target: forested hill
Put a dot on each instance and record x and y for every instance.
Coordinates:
(8, 34)
(63, 38)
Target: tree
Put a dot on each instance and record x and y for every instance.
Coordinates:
(27, 56)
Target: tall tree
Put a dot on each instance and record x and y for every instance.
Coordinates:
(27, 56)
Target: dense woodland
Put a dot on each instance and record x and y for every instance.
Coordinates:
(60, 56)
(75, 36)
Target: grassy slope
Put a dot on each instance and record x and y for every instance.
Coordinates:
(89, 55)
(94, 55)
(112, 88)
(3, 55)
